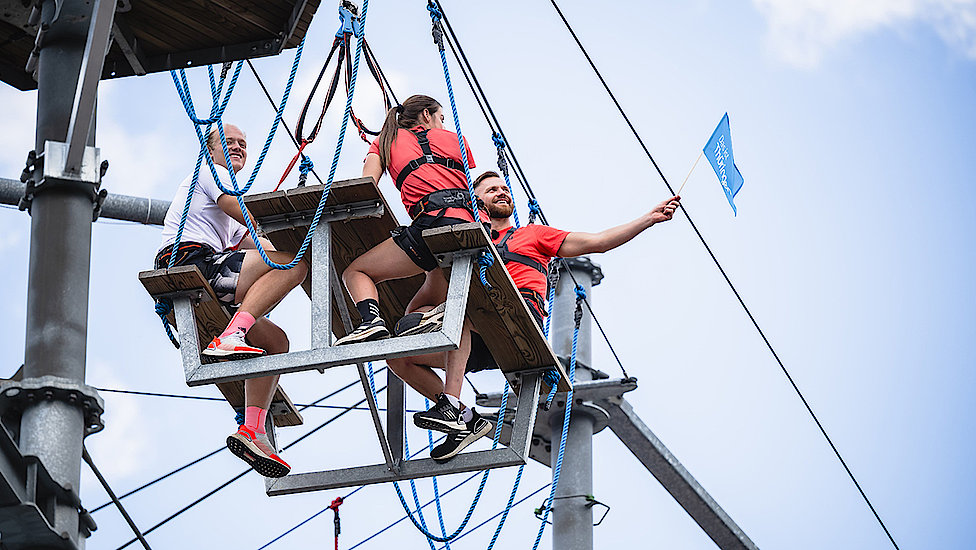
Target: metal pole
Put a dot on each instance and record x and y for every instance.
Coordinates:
(147, 211)
(60, 253)
(572, 519)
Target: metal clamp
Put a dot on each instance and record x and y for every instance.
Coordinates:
(15, 395)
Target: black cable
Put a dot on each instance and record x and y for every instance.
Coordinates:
(101, 479)
(242, 474)
(215, 451)
(493, 122)
(222, 400)
(729, 281)
(275, 107)
(476, 88)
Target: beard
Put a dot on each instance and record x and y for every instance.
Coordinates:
(500, 211)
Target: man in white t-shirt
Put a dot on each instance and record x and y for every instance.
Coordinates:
(214, 239)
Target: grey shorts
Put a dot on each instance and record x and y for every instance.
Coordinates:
(220, 269)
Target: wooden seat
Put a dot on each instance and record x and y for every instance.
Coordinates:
(350, 238)
(499, 314)
(211, 319)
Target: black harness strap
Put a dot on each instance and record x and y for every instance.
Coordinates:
(441, 199)
(509, 256)
(428, 158)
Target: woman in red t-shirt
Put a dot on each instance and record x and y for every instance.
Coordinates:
(425, 163)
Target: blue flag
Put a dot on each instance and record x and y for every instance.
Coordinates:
(719, 153)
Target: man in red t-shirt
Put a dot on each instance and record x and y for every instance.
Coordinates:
(526, 252)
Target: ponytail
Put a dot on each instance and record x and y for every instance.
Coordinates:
(405, 116)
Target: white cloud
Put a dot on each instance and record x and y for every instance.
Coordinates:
(801, 31)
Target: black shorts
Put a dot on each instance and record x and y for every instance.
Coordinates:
(220, 269)
(410, 238)
(480, 357)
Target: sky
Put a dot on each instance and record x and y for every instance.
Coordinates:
(852, 125)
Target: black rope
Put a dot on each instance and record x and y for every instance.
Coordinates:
(476, 89)
(275, 107)
(245, 472)
(222, 400)
(101, 479)
(727, 280)
(215, 451)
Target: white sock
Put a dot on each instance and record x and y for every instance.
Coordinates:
(453, 400)
(467, 414)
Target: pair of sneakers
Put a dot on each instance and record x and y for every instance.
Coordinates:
(418, 322)
(445, 417)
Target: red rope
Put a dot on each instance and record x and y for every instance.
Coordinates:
(335, 508)
(292, 164)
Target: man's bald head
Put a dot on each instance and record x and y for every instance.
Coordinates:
(236, 147)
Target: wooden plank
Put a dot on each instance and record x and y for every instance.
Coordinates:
(211, 319)
(498, 313)
(351, 238)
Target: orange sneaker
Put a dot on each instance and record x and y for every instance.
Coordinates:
(256, 450)
(231, 346)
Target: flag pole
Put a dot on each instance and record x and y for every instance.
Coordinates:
(690, 171)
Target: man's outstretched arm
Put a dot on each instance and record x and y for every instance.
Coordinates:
(578, 243)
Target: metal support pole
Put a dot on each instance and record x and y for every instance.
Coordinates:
(572, 519)
(321, 296)
(60, 254)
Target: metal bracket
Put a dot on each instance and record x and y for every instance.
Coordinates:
(28, 504)
(15, 395)
(351, 211)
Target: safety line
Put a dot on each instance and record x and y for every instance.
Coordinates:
(101, 479)
(727, 280)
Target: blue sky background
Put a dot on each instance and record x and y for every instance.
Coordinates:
(853, 127)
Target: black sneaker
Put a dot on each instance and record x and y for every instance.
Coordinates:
(459, 439)
(442, 417)
(420, 322)
(366, 332)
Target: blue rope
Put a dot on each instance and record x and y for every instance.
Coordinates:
(163, 308)
(485, 260)
(580, 296)
(421, 525)
(503, 166)
(216, 111)
(239, 418)
(438, 33)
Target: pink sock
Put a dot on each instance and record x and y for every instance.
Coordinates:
(254, 418)
(242, 321)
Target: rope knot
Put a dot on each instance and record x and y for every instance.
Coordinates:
(303, 170)
(485, 260)
(578, 314)
(498, 139)
(534, 210)
(551, 378)
(437, 31)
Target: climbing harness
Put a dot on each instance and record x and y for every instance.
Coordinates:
(508, 256)
(439, 200)
(428, 158)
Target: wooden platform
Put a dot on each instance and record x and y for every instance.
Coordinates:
(212, 318)
(350, 239)
(499, 314)
(159, 35)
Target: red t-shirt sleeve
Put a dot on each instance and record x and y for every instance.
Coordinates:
(549, 239)
(374, 147)
(467, 149)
